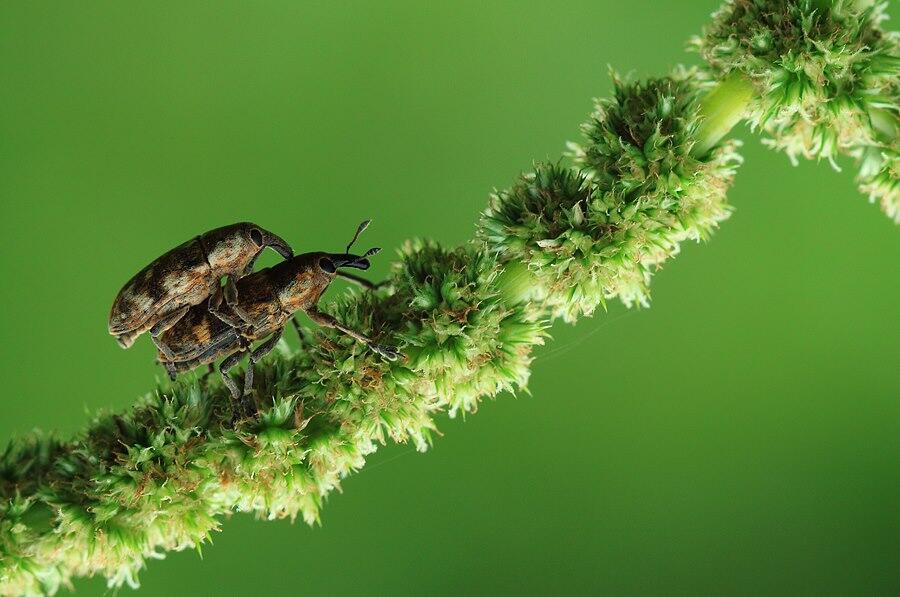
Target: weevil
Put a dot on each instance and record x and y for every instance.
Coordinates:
(159, 295)
(270, 297)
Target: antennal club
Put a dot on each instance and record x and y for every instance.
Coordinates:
(359, 230)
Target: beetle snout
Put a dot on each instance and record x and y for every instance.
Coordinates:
(277, 244)
(354, 261)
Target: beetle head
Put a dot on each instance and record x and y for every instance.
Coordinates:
(234, 249)
(331, 262)
(304, 278)
(262, 238)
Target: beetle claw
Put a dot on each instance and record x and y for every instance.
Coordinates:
(384, 351)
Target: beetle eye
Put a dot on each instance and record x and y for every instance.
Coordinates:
(327, 265)
(256, 237)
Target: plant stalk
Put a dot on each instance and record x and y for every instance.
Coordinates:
(885, 123)
(722, 109)
(517, 284)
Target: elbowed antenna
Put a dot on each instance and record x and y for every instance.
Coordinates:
(359, 230)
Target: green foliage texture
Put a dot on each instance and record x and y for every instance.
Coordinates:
(827, 81)
(559, 242)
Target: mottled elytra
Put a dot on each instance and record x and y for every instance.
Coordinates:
(268, 298)
(161, 293)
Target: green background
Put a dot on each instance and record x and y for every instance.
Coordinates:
(741, 436)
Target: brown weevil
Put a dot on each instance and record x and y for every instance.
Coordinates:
(270, 297)
(161, 293)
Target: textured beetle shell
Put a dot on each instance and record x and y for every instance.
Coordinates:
(270, 296)
(300, 281)
(230, 249)
(186, 275)
(196, 334)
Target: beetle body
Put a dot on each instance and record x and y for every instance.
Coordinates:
(270, 296)
(199, 330)
(160, 293)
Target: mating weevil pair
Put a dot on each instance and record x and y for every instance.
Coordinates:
(194, 321)
(160, 294)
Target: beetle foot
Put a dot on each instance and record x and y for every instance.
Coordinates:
(385, 351)
(248, 406)
(242, 408)
(235, 417)
(171, 370)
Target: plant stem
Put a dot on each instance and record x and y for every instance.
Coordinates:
(516, 283)
(884, 122)
(722, 109)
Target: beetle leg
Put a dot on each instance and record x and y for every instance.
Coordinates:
(243, 398)
(162, 325)
(227, 364)
(209, 370)
(384, 351)
(230, 291)
(300, 333)
(169, 320)
(171, 370)
(231, 298)
(327, 321)
(256, 356)
(266, 347)
(163, 348)
(246, 399)
(360, 281)
(248, 269)
(214, 305)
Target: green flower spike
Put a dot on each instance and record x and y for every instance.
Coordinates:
(160, 476)
(599, 232)
(652, 173)
(826, 79)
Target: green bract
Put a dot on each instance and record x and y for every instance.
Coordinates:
(827, 78)
(600, 232)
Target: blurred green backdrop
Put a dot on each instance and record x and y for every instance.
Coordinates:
(739, 437)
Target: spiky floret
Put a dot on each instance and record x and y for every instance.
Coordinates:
(462, 340)
(599, 232)
(819, 72)
(649, 185)
(160, 476)
(827, 76)
(879, 176)
(543, 221)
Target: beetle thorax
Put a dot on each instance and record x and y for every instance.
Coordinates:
(231, 254)
(304, 289)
